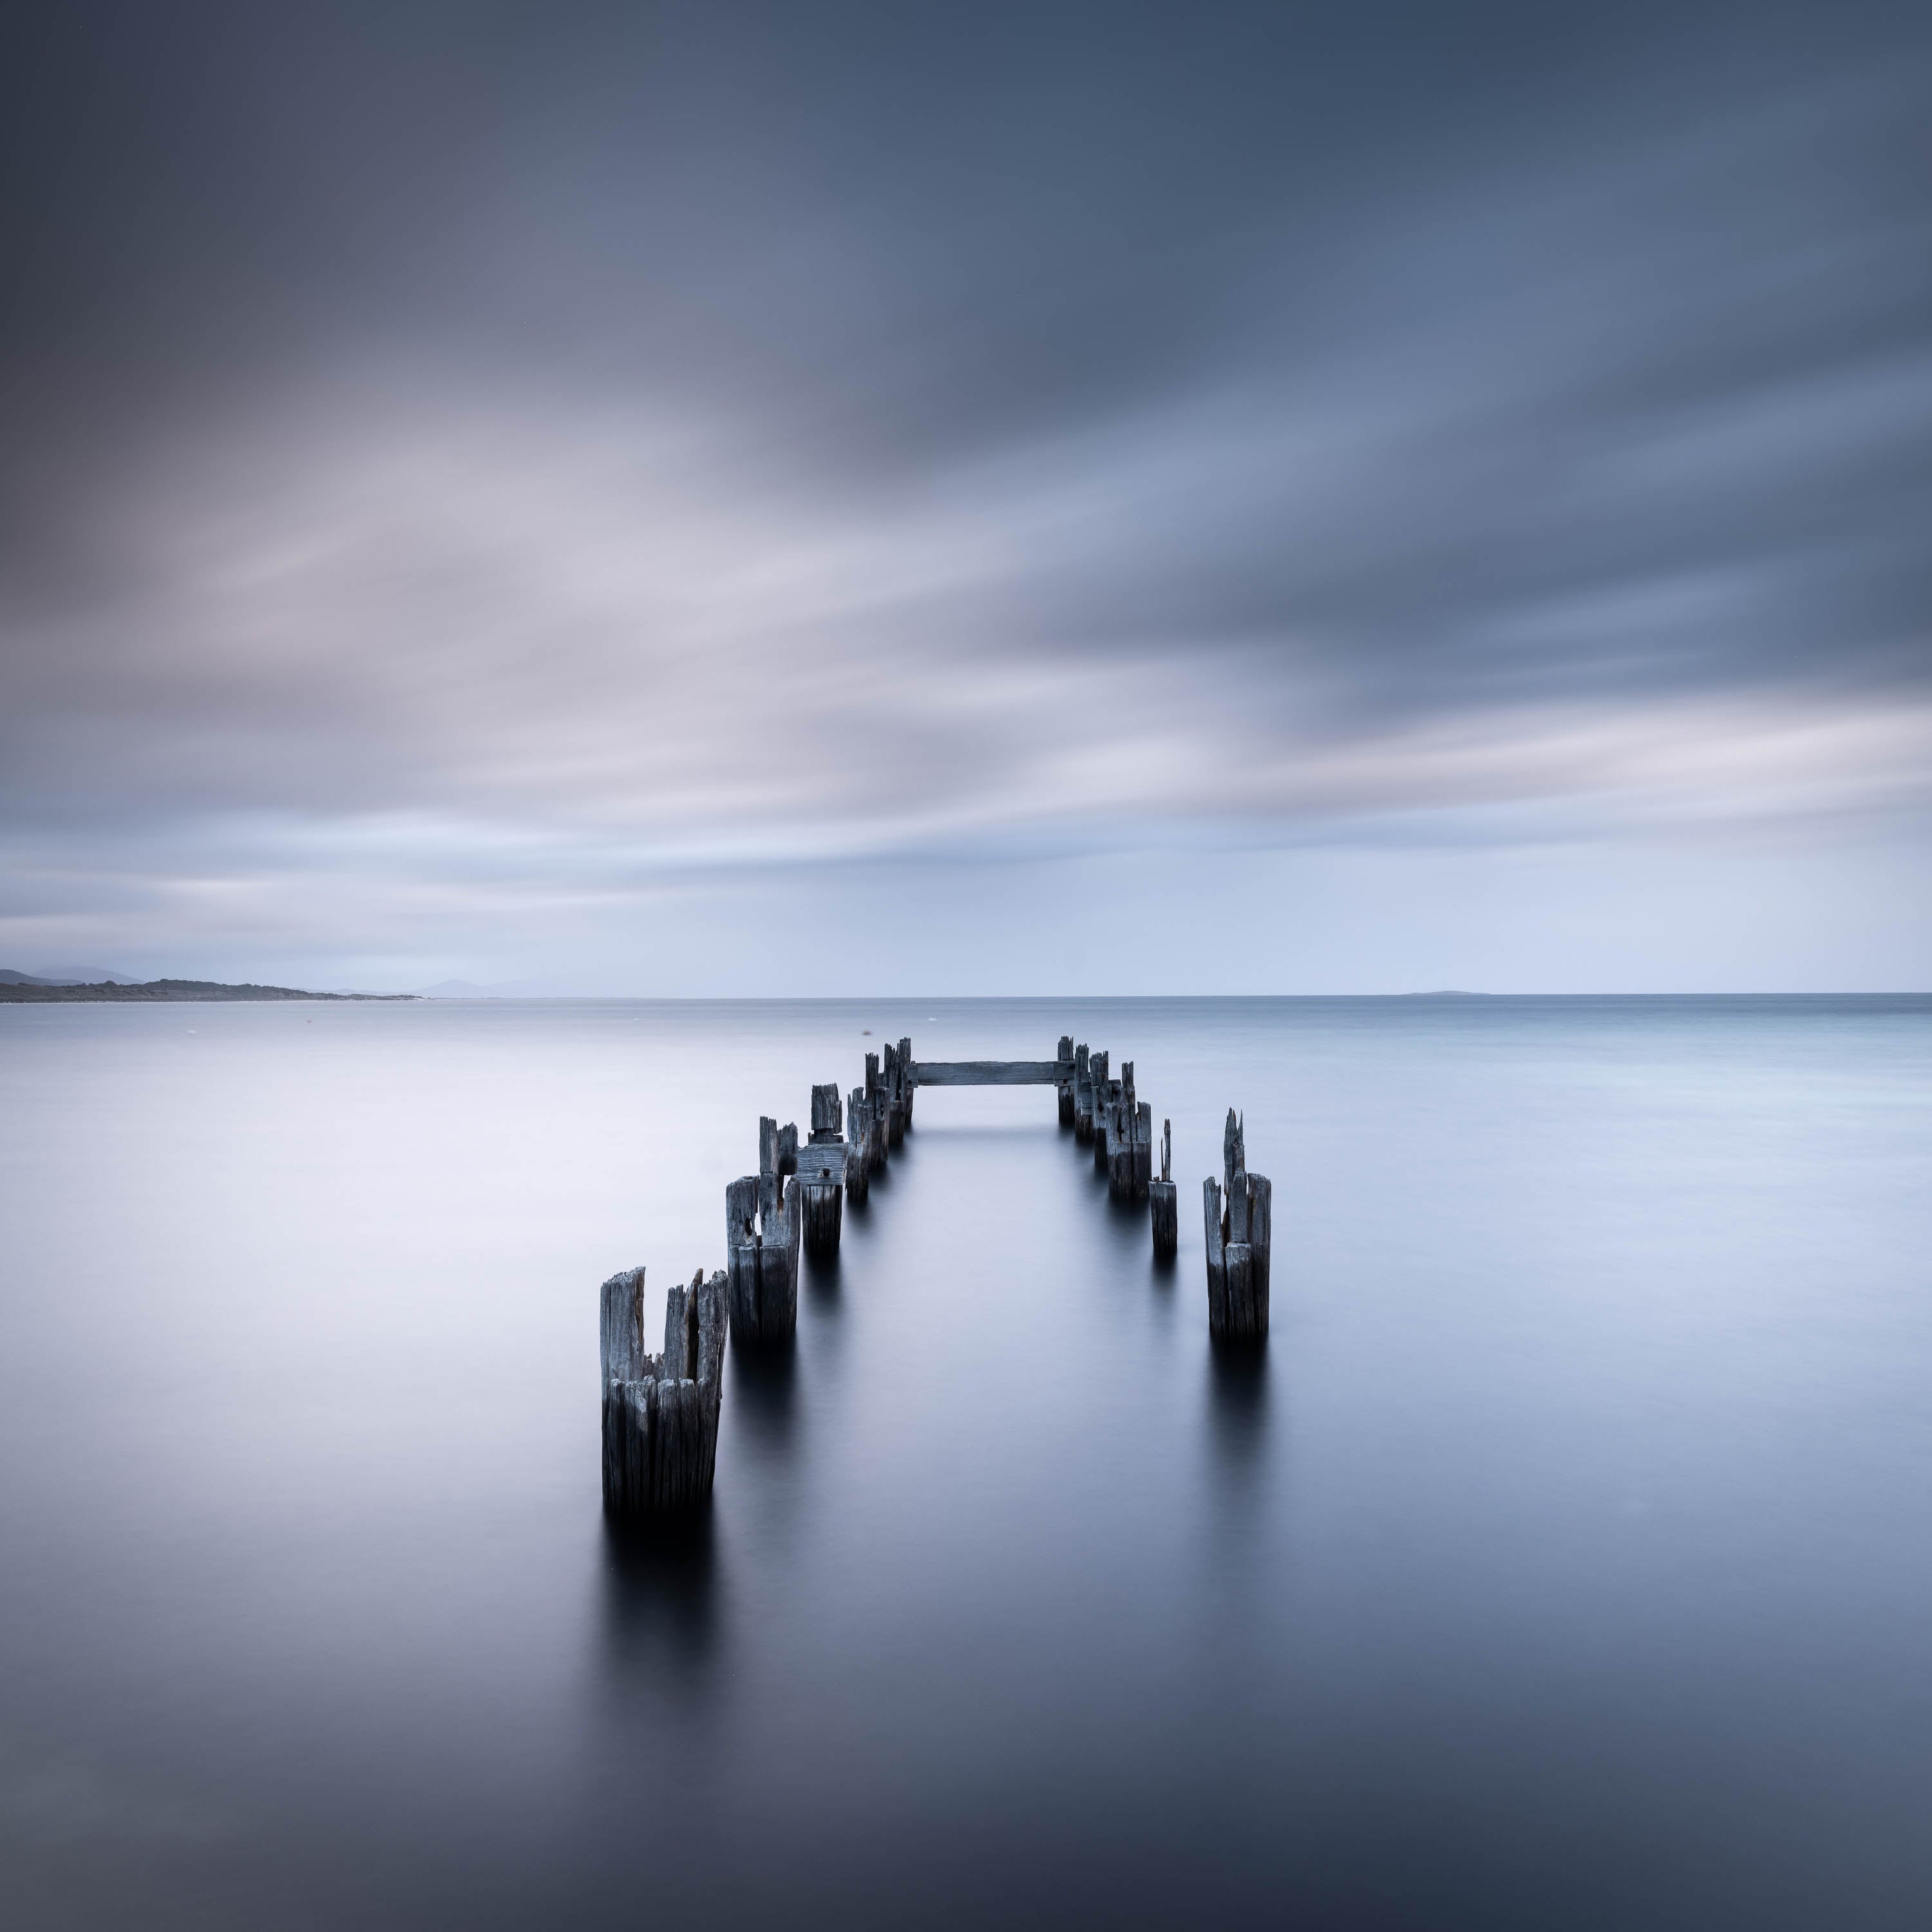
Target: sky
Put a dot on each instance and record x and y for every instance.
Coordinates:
(721, 500)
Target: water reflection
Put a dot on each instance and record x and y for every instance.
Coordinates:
(761, 1400)
(824, 1280)
(1237, 1405)
(660, 1603)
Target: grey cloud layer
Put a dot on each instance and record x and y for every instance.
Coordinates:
(680, 438)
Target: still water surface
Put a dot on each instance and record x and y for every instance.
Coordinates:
(1565, 1564)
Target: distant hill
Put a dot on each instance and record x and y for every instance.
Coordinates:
(75, 975)
(20, 988)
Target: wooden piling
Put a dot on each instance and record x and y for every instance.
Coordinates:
(660, 1421)
(1083, 1094)
(1240, 1236)
(858, 1146)
(762, 1256)
(875, 1096)
(1065, 1058)
(824, 1187)
(1106, 1102)
(1162, 1199)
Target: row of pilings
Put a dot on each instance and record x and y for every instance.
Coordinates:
(660, 1417)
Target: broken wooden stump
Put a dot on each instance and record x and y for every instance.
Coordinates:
(821, 1172)
(660, 1411)
(1106, 1099)
(1239, 1240)
(1162, 1198)
(1083, 1094)
(875, 1098)
(898, 1081)
(858, 1146)
(762, 1217)
(1065, 1058)
(1128, 1129)
(1117, 1154)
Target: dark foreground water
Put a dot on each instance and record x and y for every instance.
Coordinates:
(1564, 1564)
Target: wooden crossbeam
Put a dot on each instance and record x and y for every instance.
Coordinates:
(990, 1073)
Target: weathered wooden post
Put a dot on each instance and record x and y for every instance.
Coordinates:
(1163, 1198)
(660, 1411)
(787, 1148)
(858, 1146)
(1120, 1142)
(1106, 1092)
(899, 1080)
(764, 1255)
(1083, 1094)
(1239, 1241)
(1141, 1127)
(875, 1096)
(889, 1079)
(1065, 1061)
(824, 1186)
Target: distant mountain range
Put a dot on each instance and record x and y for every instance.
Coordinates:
(17, 988)
(66, 976)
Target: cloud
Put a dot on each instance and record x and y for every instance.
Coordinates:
(546, 464)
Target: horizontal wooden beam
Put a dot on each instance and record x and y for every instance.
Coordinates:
(990, 1073)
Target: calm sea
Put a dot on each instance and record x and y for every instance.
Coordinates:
(1565, 1563)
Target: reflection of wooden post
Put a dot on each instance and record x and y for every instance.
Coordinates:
(1240, 1238)
(660, 1411)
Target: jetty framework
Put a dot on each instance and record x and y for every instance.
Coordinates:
(660, 1410)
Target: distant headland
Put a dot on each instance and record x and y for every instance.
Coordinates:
(23, 987)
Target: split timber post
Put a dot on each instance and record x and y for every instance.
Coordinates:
(899, 1082)
(822, 1176)
(858, 1146)
(660, 1411)
(1166, 1206)
(1096, 1078)
(1239, 1240)
(875, 1098)
(1107, 1097)
(1083, 1094)
(1065, 1060)
(763, 1256)
(1130, 1141)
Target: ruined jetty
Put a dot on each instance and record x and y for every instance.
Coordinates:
(660, 1411)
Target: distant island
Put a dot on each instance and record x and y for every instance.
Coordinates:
(20, 987)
